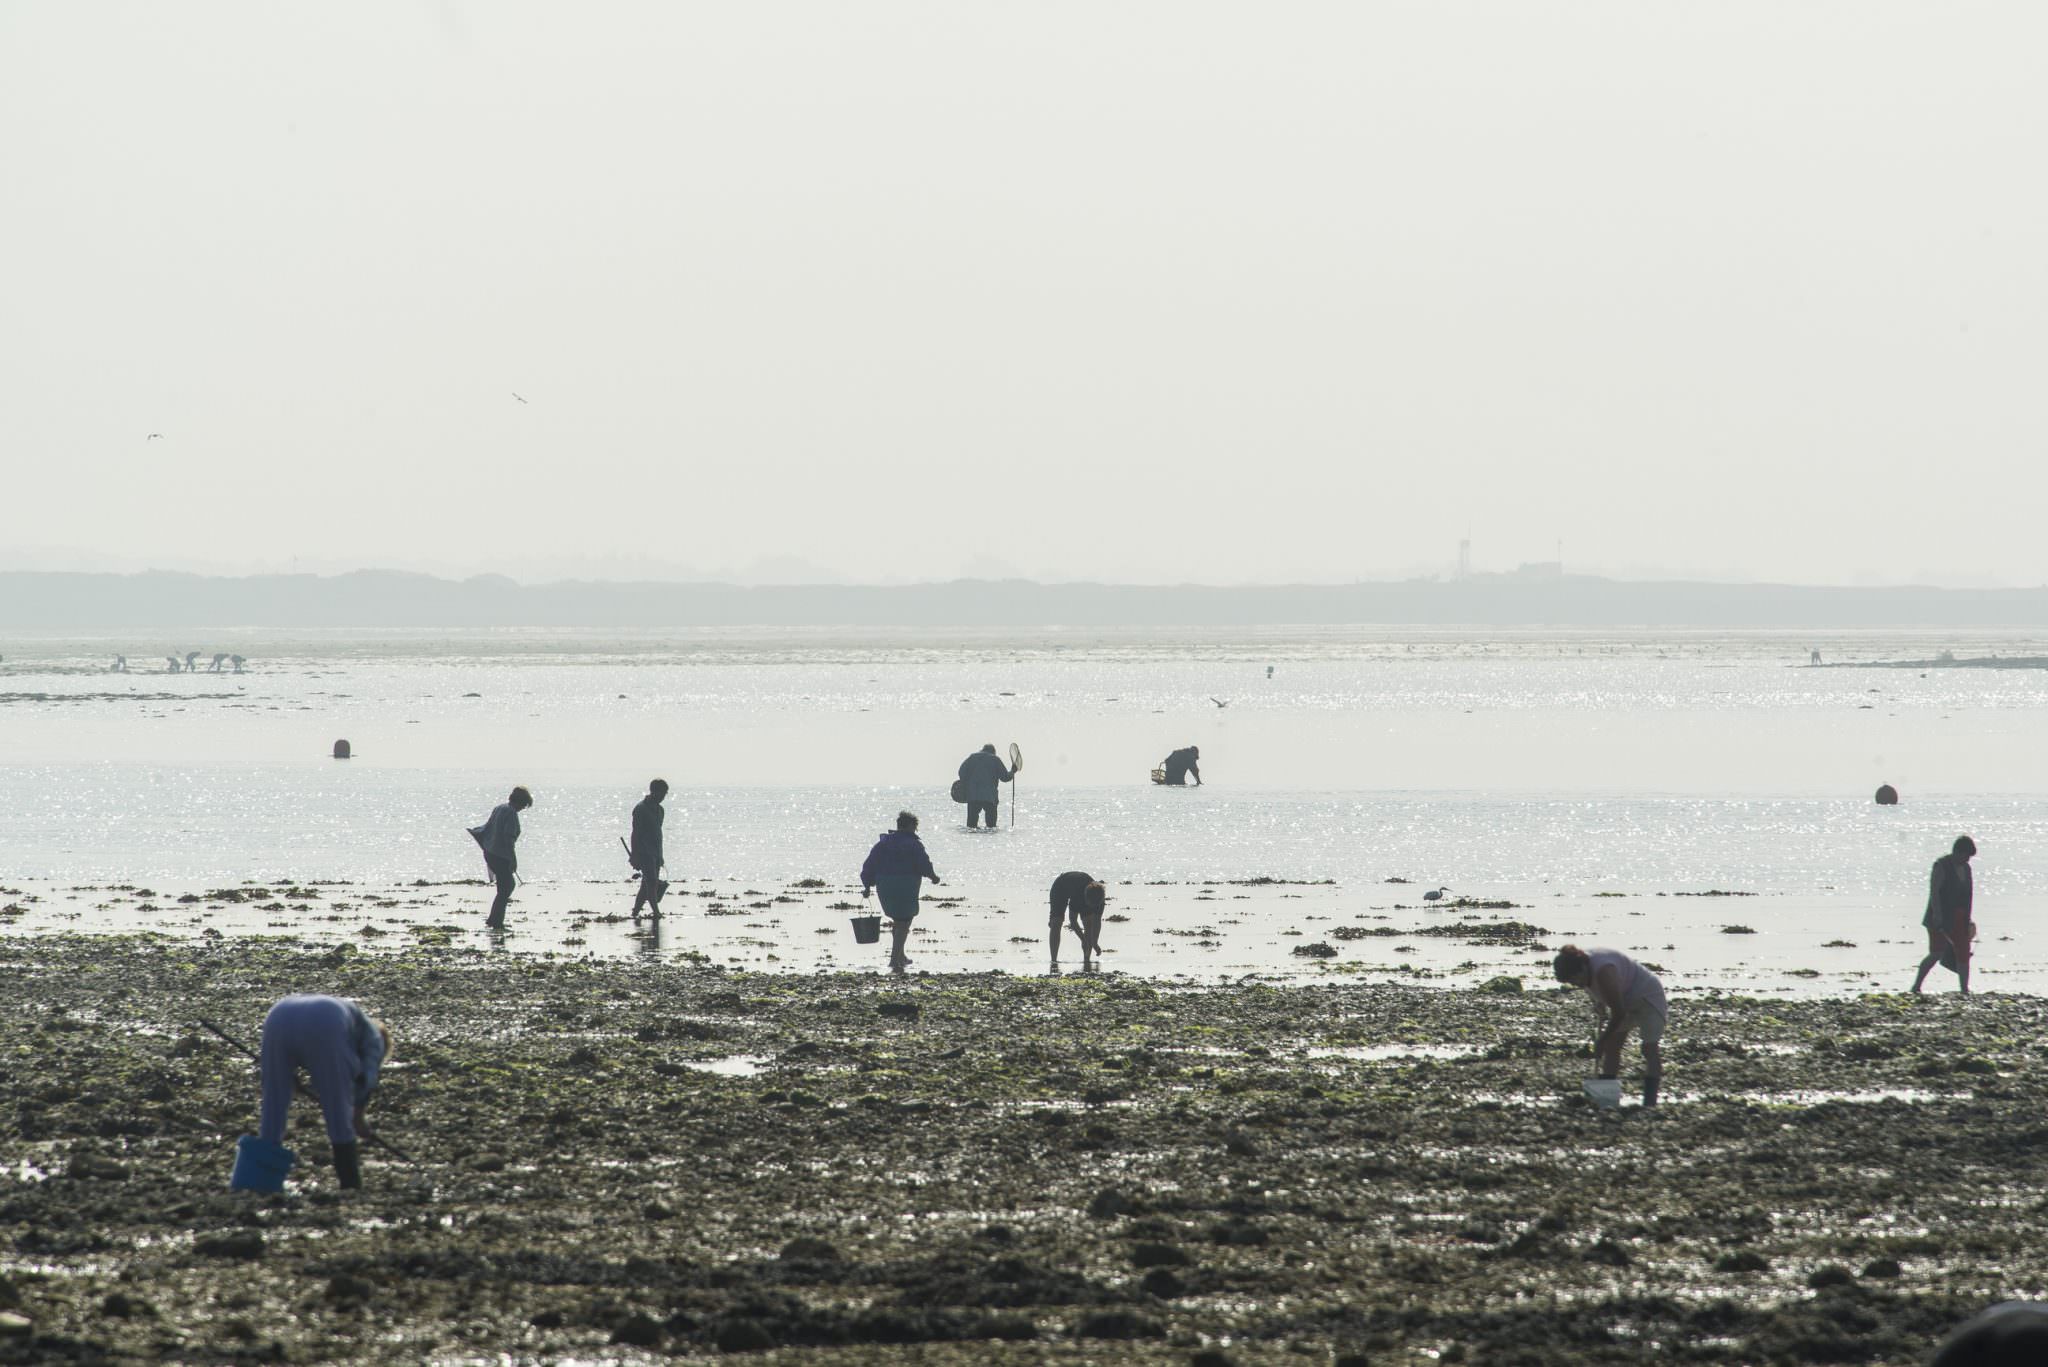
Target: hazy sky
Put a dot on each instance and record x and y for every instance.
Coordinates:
(1130, 291)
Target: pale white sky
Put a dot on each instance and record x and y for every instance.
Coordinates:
(1127, 291)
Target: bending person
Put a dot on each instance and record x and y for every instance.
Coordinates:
(896, 867)
(1626, 996)
(1182, 763)
(1078, 897)
(342, 1048)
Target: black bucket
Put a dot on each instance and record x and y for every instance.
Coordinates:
(867, 930)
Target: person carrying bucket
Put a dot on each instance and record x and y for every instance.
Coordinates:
(1626, 996)
(896, 867)
(1078, 897)
(342, 1048)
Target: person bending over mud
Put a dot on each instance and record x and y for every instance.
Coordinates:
(896, 867)
(1626, 996)
(342, 1048)
(1078, 898)
(497, 837)
(1949, 927)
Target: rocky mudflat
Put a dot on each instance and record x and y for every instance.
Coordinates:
(635, 1162)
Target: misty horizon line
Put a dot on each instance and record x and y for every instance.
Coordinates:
(1536, 596)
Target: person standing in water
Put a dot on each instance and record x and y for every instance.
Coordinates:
(1077, 897)
(1180, 764)
(897, 867)
(984, 772)
(342, 1048)
(498, 836)
(1626, 996)
(1949, 927)
(645, 850)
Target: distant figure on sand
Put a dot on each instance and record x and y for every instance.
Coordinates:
(342, 1048)
(174, 665)
(983, 772)
(237, 661)
(497, 837)
(896, 867)
(645, 851)
(1947, 918)
(1181, 763)
(1626, 996)
(191, 662)
(218, 660)
(1078, 898)
(120, 664)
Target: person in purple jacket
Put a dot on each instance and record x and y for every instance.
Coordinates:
(896, 867)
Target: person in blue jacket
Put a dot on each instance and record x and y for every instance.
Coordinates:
(897, 867)
(342, 1048)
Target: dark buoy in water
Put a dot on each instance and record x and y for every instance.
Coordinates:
(1887, 796)
(341, 749)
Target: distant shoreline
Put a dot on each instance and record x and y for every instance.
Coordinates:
(383, 598)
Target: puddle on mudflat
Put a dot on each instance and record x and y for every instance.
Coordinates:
(1393, 1053)
(733, 1065)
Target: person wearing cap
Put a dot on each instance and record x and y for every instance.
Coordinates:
(497, 837)
(1949, 928)
(1626, 996)
(1078, 898)
(342, 1049)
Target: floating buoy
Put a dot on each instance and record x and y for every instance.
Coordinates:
(1887, 796)
(341, 749)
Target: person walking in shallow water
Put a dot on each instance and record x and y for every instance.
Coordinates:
(896, 867)
(497, 837)
(1949, 928)
(984, 772)
(342, 1048)
(646, 849)
(1626, 996)
(1078, 897)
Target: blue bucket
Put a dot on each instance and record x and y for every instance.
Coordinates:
(260, 1165)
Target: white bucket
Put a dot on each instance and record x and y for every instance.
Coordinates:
(1604, 1092)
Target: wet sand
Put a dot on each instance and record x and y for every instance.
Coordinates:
(637, 1161)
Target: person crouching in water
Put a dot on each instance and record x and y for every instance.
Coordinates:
(1078, 898)
(1626, 996)
(498, 837)
(896, 867)
(1949, 928)
(342, 1048)
(645, 851)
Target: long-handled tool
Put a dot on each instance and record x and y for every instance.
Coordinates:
(1016, 763)
(307, 1092)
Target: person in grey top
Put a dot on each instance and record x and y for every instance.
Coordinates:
(342, 1048)
(1626, 996)
(1950, 894)
(646, 849)
(497, 837)
(983, 772)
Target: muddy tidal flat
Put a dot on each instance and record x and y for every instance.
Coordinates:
(636, 1162)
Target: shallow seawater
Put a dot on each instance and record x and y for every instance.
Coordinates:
(1604, 784)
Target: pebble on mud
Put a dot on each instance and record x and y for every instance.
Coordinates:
(245, 1244)
(1158, 1255)
(637, 1331)
(1109, 1203)
(901, 1011)
(1318, 950)
(1164, 1284)
(1882, 1267)
(1831, 1274)
(805, 1249)
(1119, 1324)
(1744, 1261)
(1507, 984)
(12, 1325)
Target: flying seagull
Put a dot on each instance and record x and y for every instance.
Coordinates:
(517, 397)
(1219, 702)
(154, 436)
